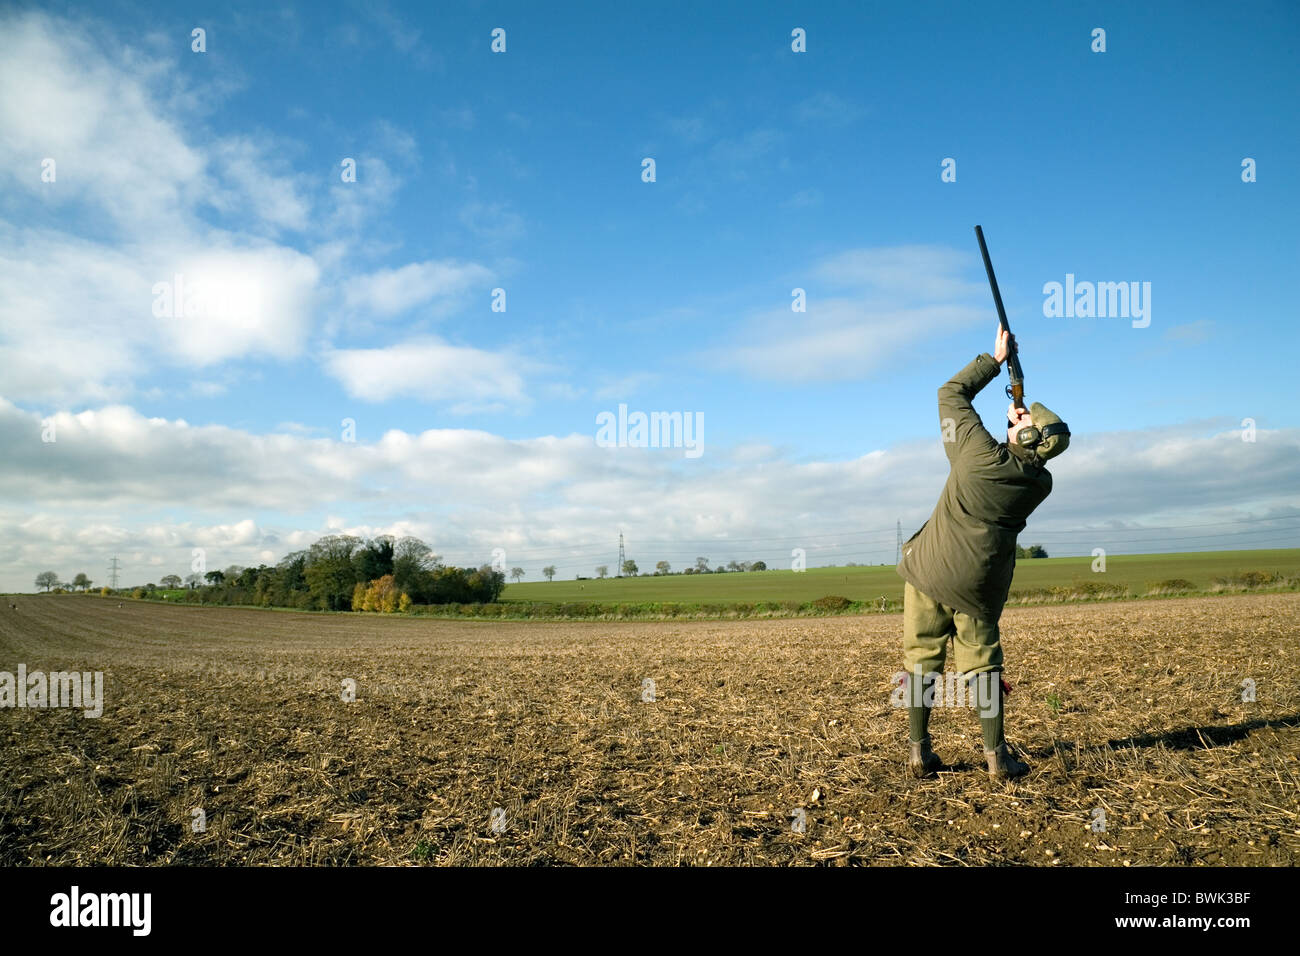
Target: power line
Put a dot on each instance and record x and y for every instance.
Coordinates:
(1177, 527)
(811, 545)
(840, 552)
(845, 544)
(1287, 533)
(683, 545)
(714, 542)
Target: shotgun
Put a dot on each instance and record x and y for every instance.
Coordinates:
(1016, 390)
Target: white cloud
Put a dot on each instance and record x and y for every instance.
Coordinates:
(836, 339)
(391, 291)
(553, 497)
(97, 117)
(81, 320)
(356, 203)
(404, 36)
(54, 292)
(912, 273)
(77, 315)
(430, 369)
(254, 191)
(257, 302)
(900, 296)
(235, 535)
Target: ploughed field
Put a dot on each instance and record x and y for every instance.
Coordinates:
(525, 743)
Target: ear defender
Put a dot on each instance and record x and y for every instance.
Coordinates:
(1031, 436)
(1047, 440)
(1028, 437)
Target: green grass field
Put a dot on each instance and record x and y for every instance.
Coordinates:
(865, 584)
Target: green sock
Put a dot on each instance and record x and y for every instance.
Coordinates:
(918, 715)
(988, 700)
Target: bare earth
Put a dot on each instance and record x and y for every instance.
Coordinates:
(1134, 709)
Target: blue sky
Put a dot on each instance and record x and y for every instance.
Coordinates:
(522, 170)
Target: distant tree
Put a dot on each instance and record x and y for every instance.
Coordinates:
(151, 587)
(192, 581)
(758, 566)
(285, 585)
(702, 565)
(232, 573)
(414, 564)
(486, 584)
(215, 577)
(374, 559)
(381, 595)
(81, 582)
(172, 581)
(629, 568)
(449, 585)
(602, 570)
(733, 565)
(331, 575)
(516, 573)
(549, 571)
(47, 579)
(1037, 551)
(663, 567)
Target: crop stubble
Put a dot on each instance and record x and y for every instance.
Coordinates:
(1131, 708)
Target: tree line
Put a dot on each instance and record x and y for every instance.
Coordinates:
(49, 580)
(1033, 551)
(343, 573)
(630, 569)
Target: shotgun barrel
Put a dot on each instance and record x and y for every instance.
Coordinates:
(1016, 390)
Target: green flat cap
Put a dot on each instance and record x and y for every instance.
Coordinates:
(1053, 445)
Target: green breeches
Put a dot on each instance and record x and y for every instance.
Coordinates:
(977, 649)
(927, 626)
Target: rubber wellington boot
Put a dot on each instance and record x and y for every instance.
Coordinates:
(1003, 766)
(923, 762)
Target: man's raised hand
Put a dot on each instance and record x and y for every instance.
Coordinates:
(1005, 344)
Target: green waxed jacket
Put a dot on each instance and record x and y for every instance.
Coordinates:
(964, 554)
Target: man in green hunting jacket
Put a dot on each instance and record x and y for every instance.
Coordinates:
(958, 566)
